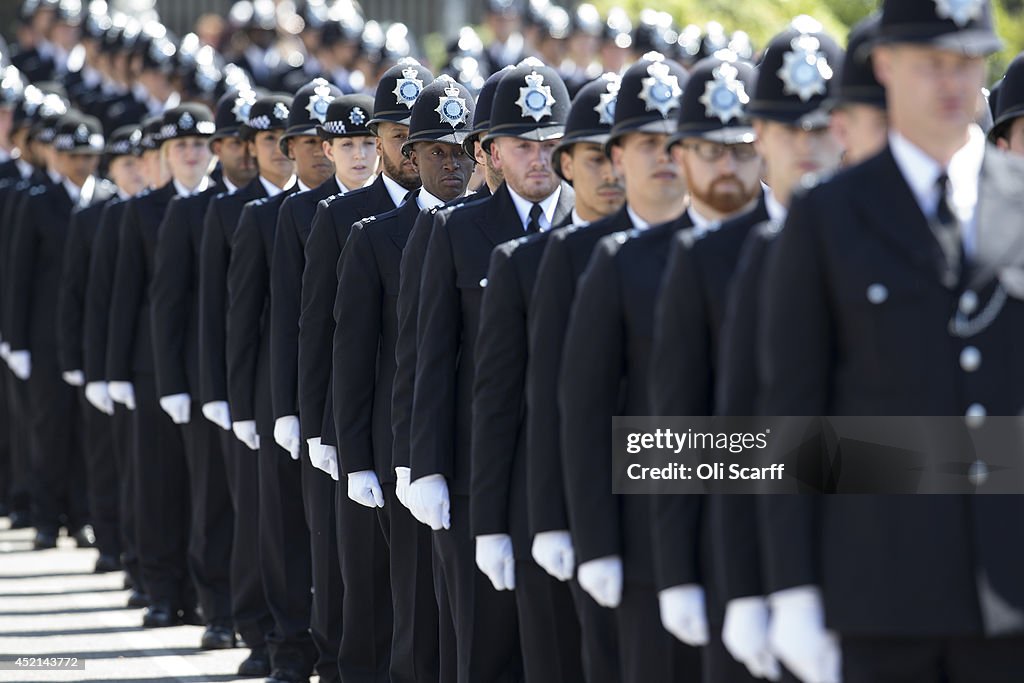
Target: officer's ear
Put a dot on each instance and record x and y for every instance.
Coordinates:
(565, 162)
(495, 152)
(882, 62)
(616, 157)
(414, 158)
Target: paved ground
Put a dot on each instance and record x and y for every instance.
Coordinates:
(52, 605)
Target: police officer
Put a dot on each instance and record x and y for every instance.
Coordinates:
(36, 261)
(101, 476)
(1009, 108)
(161, 474)
(364, 366)
(356, 526)
(284, 540)
(252, 617)
(351, 147)
(910, 585)
(175, 319)
(96, 326)
(527, 118)
(615, 303)
(858, 121)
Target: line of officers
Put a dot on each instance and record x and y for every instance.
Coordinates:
(359, 417)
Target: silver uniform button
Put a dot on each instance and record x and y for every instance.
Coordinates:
(483, 283)
(968, 302)
(970, 359)
(878, 293)
(975, 415)
(977, 473)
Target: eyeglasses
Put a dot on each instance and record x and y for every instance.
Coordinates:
(714, 151)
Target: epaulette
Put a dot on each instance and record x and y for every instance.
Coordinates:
(36, 190)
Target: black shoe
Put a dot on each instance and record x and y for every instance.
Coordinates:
(137, 599)
(85, 537)
(44, 540)
(129, 582)
(160, 615)
(20, 519)
(256, 665)
(217, 638)
(106, 564)
(283, 675)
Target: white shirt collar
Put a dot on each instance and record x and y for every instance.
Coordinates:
(80, 194)
(776, 211)
(547, 207)
(183, 191)
(121, 194)
(303, 187)
(638, 223)
(396, 191)
(229, 185)
(54, 176)
(577, 221)
(701, 223)
(922, 172)
(25, 169)
(425, 200)
(272, 189)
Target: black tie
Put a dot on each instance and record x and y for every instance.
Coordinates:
(947, 225)
(533, 225)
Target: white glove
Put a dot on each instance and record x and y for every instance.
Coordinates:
(178, 406)
(496, 560)
(602, 579)
(364, 488)
(553, 551)
(218, 413)
(5, 351)
(20, 363)
(745, 636)
(315, 453)
(798, 637)
(429, 503)
(683, 614)
(122, 392)
(96, 394)
(245, 430)
(402, 475)
(286, 434)
(329, 460)
(75, 378)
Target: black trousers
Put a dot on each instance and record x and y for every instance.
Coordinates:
(249, 607)
(122, 425)
(285, 556)
(328, 589)
(933, 660)
(649, 653)
(5, 443)
(163, 508)
(599, 638)
(101, 475)
(213, 518)
(18, 437)
(59, 488)
(548, 627)
(366, 632)
(414, 646)
(486, 624)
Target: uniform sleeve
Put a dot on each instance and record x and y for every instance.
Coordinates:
(547, 320)
(248, 281)
(438, 333)
(498, 395)
(286, 267)
(213, 271)
(170, 299)
(102, 264)
(357, 313)
(411, 269)
(126, 300)
(588, 396)
(71, 299)
(19, 287)
(316, 322)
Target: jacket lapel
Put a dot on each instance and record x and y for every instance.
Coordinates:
(563, 209)
(501, 220)
(399, 229)
(897, 219)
